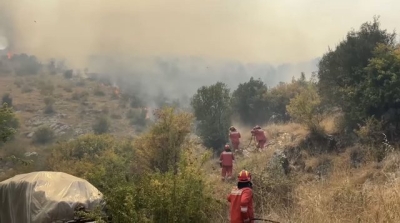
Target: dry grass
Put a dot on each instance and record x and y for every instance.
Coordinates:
(367, 194)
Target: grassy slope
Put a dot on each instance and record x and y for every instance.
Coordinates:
(366, 194)
(29, 106)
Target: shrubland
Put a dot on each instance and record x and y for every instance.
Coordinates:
(332, 154)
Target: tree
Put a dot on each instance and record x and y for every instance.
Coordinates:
(160, 148)
(211, 105)
(380, 91)
(341, 72)
(279, 97)
(249, 103)
(306, 108)
(8, 123)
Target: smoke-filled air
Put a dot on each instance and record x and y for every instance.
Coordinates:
(199, 111)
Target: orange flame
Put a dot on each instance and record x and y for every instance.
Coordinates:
(9, 55)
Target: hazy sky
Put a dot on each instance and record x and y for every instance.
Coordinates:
(246, 30)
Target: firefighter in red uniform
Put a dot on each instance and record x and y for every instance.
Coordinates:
(234, 136)
(259, 134)
(226, 161)
(241, 200)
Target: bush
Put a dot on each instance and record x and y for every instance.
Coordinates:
(306, 109)
(49, 102)
(43, 135)
(26, 89)
(46, 88)
(7, 99)
(68, 74)
(137, 117)
(80, 96)
(135, 191)
(67, 88)
(101, 125)
(9, 123)
(98, 92)
(19, 82)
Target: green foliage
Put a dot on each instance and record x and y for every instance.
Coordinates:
(160, 147)
(43, 135)
(7, 99)
(212, 109)
(342, 75)
(8, 123)
(117, 169)
(248, 101)
(306, 108)
(137, 117)
(101, 125)
(279, 97)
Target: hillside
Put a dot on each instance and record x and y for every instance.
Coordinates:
(332, 153)
(78, 103)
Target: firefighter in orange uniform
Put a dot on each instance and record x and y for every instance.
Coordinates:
(241, 200)
(260, 137)
(226, 162)
(234, 136)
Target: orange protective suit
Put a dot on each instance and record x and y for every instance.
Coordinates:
(260, 136)
(235, 136)
(226, 159)
(241, 201)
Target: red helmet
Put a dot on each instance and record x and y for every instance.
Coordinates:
(244, 176)
(227, 146)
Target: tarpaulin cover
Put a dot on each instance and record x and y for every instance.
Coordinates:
(41, 197)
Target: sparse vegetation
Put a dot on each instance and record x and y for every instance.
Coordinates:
(43, 135)
(98, 92)
(101, 125)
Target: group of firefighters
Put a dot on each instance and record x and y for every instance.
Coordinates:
(241, 196)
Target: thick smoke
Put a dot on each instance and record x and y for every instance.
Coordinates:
(150, 45)
(6, 28)
(180, 77)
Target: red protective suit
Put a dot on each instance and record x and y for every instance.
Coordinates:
(235, 136)
(226, 158)
(260, 137)
(241, 205)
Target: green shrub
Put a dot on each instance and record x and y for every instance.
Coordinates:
(43, 135)
(137, 117)
(101, 125)
(49, 102)
(7, 99)
(68, 74)
(9, 123)
(306, 109)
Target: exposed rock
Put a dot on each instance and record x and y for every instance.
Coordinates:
(30, 135)
(279, 163)
(29, 154)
